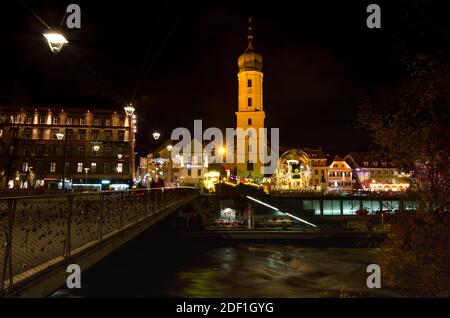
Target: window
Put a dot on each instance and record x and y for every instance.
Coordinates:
(384, 164)
(27, 134)
(93, 167)
(25, 166)
(56, 120)
(107, 167)
(16, 119)
(52, 166)
(26, 150)
(121, 135)
(249, 102)
(249, 122)
(108, 135)
(119, 167)
(119, 150)
(39, 166)
(96, 122)
(82, 134)
(94, 153)
(69, 134)
(67, 167)
(316, 172)
(189, 173)
(80, 151)
(107, 151)
(199, 172)
(29, 120)
(366, 163)
(68, 150)
(2, 119)
(108, 122)
(82, 121)
(40, 150)
(79, 167)
(52, 150)
(249, 83)
(69, 121)
(94, 134)
(249, 165)
(42, 120)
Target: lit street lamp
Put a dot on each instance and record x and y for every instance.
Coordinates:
(156, 135)
(55, 40)
(60, 136)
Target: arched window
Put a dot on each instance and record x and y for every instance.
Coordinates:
(249, 122)
(249, 102)
(249, 83)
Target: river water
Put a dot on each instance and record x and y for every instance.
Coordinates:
(158, 265)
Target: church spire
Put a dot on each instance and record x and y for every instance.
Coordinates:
(250, 34)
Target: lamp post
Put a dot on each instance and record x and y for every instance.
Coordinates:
(129, 110)
(60, 136)
(86, 170)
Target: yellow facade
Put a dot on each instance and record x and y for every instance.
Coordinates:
(250, 112)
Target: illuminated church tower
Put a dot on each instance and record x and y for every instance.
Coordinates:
(250, 112)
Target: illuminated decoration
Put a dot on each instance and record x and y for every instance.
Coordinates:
(156, 135)
(56, 41)
(388, 186)
(106, 181)
(60, 136)
(211, 178)
(276, 209)
(294, 171)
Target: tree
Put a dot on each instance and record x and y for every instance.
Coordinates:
(414, 134)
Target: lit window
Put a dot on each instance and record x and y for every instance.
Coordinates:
(79, 167)
(56, 120)
(52, 166)
(93, 167)
(107, 122)
(119, 167)
(29, 120)
(42, 120)
(82, 121)
(25, 166)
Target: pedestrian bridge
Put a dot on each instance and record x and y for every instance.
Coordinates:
(41, 235)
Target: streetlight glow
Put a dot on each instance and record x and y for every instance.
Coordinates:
(56, 41)
(129, 110)
(59, 136)
(156, 135)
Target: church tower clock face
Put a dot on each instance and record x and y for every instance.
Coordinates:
(250, 115)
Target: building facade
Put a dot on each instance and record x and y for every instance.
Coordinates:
(71, 147)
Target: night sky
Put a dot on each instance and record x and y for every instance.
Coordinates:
(319, 62)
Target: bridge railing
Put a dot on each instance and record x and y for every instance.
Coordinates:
(38, 231)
